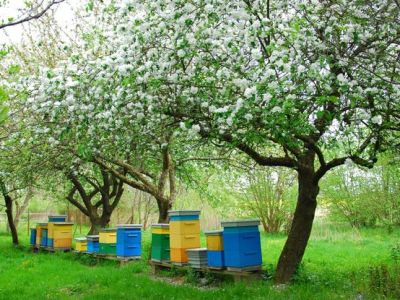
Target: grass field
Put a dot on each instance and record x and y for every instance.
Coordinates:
(340, 263)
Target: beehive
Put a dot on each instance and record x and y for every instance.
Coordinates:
(62, 235)
(197, 257)
(92, 243)
(81, 244)
(43, 242)
(184, 234)
(160, 250)
(53, 219)
(39, 228)
(129, 240)
(215, 249)
(242, 246)
(108, 241)
(32, 239)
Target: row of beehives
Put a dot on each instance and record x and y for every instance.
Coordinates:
(236, 246)
(124, 241)
(55, 234)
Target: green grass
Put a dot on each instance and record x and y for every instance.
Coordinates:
(340, 263)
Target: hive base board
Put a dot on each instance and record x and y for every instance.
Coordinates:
(238, 276)
(244, 269)
(129, 258)
(216, 268)
(57, 249)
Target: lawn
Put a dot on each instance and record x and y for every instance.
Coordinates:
(340, 263)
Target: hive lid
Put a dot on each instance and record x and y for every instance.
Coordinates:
(42, 224)
(129, 226)
(80, 239)
(213, 232)
(57, 216)
(160, 225)
(108, 229)
(196, 250)
(240, 223)
(92, 237)
(183, 212)
(62, 223)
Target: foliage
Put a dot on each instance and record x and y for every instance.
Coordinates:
(269, 194)
(365, 198)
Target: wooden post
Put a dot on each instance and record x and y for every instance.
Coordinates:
(29, 223)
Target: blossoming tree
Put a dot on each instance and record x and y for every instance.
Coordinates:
(314, 82)
(306, 85)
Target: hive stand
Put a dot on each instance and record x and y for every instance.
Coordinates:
(37, 249)
(238, 275)
(122, 260)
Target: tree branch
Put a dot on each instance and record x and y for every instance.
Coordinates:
(32, 17)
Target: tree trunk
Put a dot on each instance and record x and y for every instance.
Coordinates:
(300, 230)
(21, 210)
(164, 206)
(10, 218)
(98, 223)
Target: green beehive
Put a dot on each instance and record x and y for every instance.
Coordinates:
(108, 249)
(160, 250)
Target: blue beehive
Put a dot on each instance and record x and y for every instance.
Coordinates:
(60, 218)
(43, 242)
(129, 240)
(93, 245)
(33, 237)
(242, 245)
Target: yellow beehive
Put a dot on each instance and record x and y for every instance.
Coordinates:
(39, 228)
(178, 255)
(81, 244)
(54, 219)
(184, 234)
(184, 227)
(108, 236)
(185, 241)
(215, 242)
(62, 235)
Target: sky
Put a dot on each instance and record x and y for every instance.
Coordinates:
(13, 34)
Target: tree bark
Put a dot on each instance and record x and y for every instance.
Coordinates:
(21, 210)
(300, 230)
(164, 205)
(14, 233)
(98, 223)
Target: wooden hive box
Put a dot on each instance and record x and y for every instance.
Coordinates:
(129, 240)
(92, 243)
(160, 250)
(215, 248)
(108, 241)
(184, 233)
(53, 219)
(81, 244)
(242, 245)
(62, 235)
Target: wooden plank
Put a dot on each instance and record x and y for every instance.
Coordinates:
(237, 274)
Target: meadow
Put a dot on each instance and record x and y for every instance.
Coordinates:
(340, 263)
